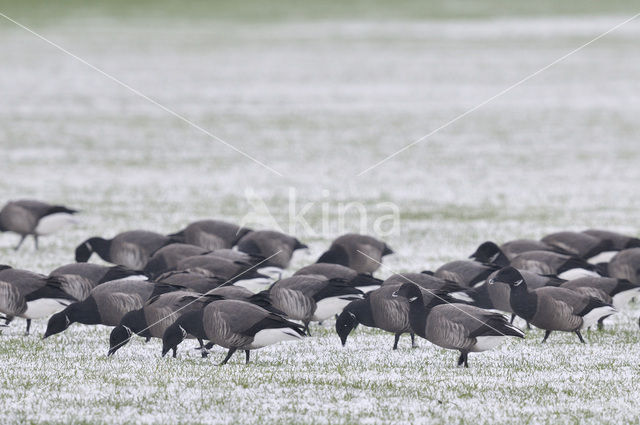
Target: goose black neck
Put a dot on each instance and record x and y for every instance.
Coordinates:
(362, 311)
(523, 302)
(85, 312)
(136, 321)
(192, 323)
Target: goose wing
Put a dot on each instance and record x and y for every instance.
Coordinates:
(389, 313)
(12, 302)
(112, 306)
(554, 314)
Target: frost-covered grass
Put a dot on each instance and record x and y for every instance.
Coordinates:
(320, 95)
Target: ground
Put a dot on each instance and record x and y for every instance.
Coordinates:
(319, 94)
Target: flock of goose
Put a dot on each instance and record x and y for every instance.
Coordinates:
(213, 281)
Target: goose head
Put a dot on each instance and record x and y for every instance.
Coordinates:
(510, 276)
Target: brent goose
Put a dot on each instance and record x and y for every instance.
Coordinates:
(362, 253)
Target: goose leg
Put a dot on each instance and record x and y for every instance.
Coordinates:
(600, 324)
(466, 360)
(513, 317)
(209, 345)
(546, 335)
(461, 359)
(7, 320)
(246, 353)
(528, 326)
(580, 336)
(306, 328)
(17, 247)
(413, 340)
(28, 326)
(395, 341)
(35, 241)
(229, 354)
(147, 339)
(175, 351)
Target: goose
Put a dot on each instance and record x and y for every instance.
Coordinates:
(490, 253)
(239, 325)
(431, 283)
(361, 281)
(591, 248)
(29, 295)
(190, 323)
(618, 240)
(214, 266)
(277, 248)
(167, 258)
(455, 326)
(36, 218)
(465, 273)
(360, 252)
(131, 249)
(155, 316)
(379, 309)
(496, 295)
(78, 279)
(192, 281)
(211, 234)
(626, 265)
(551, 308)
(311, 297)
(551, 263)
(105, 305)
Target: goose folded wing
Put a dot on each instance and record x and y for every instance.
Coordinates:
(113, 306)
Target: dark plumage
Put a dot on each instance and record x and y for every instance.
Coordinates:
(211, 234)
(618, 240)
(455, 326)
(490, 253)
(30, 295)
(579, 244)
(311, 297)
(131, 249)
(465, 273)
(430, 283)
(362, 253)
(552, 308)
(362, 281)
(551, 263)
(167, 258)
(30, 217)
(239, 325)
(214, 266)
(78, 279)
(626, 265)
(277, 248)
(105, 305)
(192, 281)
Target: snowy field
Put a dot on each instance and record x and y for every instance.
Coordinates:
(319, 96)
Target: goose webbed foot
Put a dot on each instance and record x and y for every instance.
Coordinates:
(463, 360)
(546, 335)
(580, 336)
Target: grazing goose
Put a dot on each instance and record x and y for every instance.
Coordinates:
(277, 248)
(105, 305)
(190, 323)
(167, 258)
(591, 248)
(360, 252)
(361, 281)
(551, 308)
(78, 279)
(311, 297)
(465, 273)
(131, 249)
(214, 266)
(626, 265)
(29, 217)
(551, 263)
(497, 294)
(239, 325)
(618, 240)
(155, 316)
(211, 234)
(379, 309)
(490, 253)
(30, 295)
(459, 327)
(192, 281)
(431, 283)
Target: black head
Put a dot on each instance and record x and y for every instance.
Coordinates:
(510, 276)
(346, 322)
(487, 252)
(410, 291)
(84, 251)
(57, 323)
(120, 336)
(172, 337)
